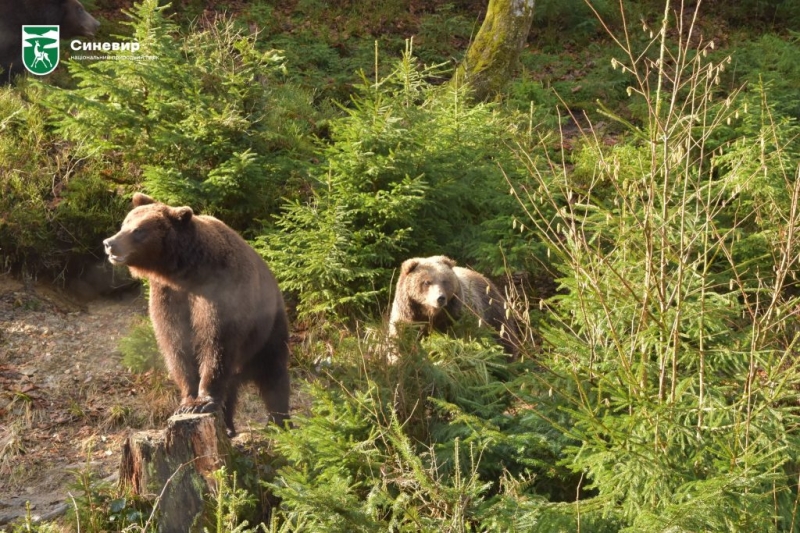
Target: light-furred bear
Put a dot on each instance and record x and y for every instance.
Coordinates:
(436, 291)
(217, 311)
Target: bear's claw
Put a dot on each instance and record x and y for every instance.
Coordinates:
(198, 407)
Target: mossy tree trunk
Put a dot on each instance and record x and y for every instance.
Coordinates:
(493, 55)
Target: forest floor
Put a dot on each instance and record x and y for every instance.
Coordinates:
(67, 403)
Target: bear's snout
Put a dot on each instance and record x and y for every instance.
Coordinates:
(437, 298)
(113, 255)
(90, 26)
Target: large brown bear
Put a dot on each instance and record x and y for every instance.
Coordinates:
(436, 291)
(70, 15)
(217, 312)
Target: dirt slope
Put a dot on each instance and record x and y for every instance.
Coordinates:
(66, 401)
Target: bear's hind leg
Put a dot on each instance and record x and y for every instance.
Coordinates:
(270, 372)
(229, 408)
(275, 393)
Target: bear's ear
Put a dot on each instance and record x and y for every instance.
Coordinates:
(408, 266)
(142, 199)
(445, 260)
(182, 214)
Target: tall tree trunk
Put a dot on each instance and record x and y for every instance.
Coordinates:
(493, 55)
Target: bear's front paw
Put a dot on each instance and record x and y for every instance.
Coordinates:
(204, 404)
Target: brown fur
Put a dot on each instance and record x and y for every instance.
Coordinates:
(72, 18)
(216, 309)
(436, 291)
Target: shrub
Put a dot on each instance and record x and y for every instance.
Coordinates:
(672, 340)
(139, 348)
(55, 205)
(433, 443)
(770, 60)
(413, 169)
(25, 232)
(205, 124)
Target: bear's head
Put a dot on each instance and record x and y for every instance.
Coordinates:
(75, 20)
(431, 283)
(148, 232)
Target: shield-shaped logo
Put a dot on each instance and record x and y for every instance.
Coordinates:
(40, 49)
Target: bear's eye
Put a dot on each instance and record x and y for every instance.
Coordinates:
(427, 283)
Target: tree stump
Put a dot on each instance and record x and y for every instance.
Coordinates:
(174, 466)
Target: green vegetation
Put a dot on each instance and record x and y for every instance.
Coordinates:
(201, 125)
(641, 182)
(139, 350)
(54, 206)
(412, 169)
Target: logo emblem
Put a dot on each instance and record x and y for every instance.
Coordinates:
(40, 49)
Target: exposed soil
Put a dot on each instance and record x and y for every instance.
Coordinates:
(63, 393)
(67, 403)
